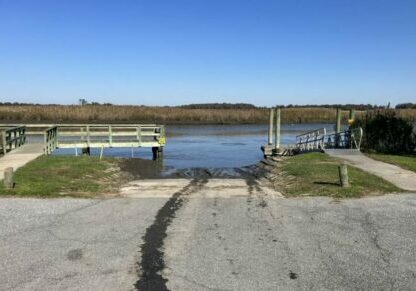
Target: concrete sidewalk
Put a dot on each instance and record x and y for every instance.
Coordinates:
(402, 178)
(20, 157)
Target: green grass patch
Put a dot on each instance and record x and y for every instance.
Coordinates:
(317, 174)
(53, 176)
(403, 161)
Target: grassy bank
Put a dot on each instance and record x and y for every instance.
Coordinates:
(57, 176)
(405, 162)
(313, 174)
(316, 174)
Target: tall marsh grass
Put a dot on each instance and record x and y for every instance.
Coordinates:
(166, 115)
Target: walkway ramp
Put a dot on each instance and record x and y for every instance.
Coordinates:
(20, 157)
(402, 178)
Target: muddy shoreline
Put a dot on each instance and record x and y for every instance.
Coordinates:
(138, 168)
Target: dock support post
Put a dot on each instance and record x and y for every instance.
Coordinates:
(15, 140)
(55, 140)
(155, 152)
(277, 133)
(8, 178)
(343, 175)
(338, 128)
(139, 135)
(3, 142)
(88, 136)
(101, 152)
(45, 144)
(110, 135)
(351, 117)
(270, 142)
(338, 125)
(86, 151)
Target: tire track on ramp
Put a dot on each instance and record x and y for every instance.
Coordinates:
(152, 255)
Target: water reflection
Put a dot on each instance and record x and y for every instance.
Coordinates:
(211, 146)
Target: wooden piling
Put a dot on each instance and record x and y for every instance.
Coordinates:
(338, 128)
(8, 178)
(352, 114)
(343, 175)
(3, 142)
(139, 135)
(155, 152)
(110, 135)
(277, 132)
(86, 151)
(88, 136)
(338, 124)
(270, 142)
(101, 152)
(351, 118)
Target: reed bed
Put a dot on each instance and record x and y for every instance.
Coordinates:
(166, 115)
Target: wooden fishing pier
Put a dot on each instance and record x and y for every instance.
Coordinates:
(85, 136)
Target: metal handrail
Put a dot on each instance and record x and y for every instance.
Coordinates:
(311, 140)
(319, 139)
(323, 129)
(350, 138)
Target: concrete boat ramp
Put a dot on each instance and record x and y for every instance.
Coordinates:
(206, 234)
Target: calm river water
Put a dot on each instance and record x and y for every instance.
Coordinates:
(212, 146)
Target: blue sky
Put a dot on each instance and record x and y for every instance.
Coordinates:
(178, 52)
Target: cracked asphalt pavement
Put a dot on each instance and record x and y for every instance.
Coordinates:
(216, 234)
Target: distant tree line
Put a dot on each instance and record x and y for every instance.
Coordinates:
(84, 102)
(360, 107)
(406, 106)
(219, 106)
(19, 104)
